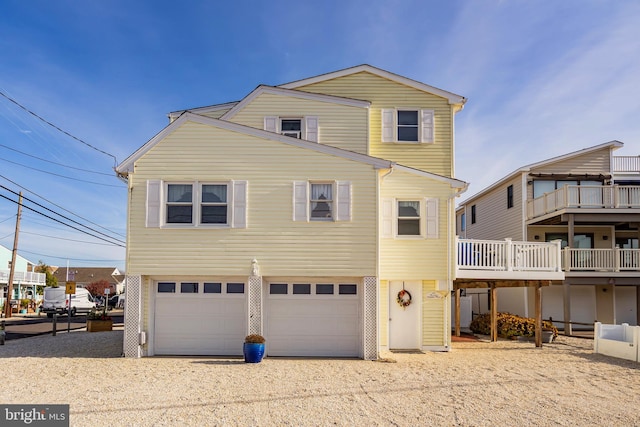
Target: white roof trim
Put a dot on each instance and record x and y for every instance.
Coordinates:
(614, 145)
(126, 166)
(451, 97)
(453, 182)
(204, 110)
(294, 94)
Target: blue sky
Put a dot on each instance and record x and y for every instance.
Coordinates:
(543, 78)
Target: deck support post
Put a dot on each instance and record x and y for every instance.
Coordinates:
(538, 315)
(494, 312)
(457, 314)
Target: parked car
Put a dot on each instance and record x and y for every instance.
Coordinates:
(56, 301)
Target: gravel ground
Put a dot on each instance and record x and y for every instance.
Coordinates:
(506, 383)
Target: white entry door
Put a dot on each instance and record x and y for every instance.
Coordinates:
(404, 322)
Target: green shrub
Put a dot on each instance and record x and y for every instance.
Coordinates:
(509, 325)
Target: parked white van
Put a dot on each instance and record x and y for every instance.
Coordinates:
(56, 301)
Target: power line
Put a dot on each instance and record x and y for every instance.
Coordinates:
(54, 212)
(70, 226)
(61, 176)
(115, 161)
(55, 163)
(73, 259)
(60, 207)
(61, 238)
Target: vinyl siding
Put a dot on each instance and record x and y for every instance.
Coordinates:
(493, 220)
(594, 163)
(281, 246)
(415, 258)
(433, 315)
(383, 93)
(341, 126)
(383, 316)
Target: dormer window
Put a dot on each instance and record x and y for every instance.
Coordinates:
(301, 128)
(291, 127)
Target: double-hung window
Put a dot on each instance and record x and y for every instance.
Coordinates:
(213, 207)
(196, 204)
(295, 127)
(321, 202)
(179, 204)
(408, 125)
(409, 218)
(291, 127)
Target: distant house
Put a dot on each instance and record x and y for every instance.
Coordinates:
(83, 276)
(25, 281)
(589, 200)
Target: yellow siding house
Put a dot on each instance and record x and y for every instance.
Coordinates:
(318, 213)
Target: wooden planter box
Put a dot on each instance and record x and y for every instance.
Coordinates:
(99, 325)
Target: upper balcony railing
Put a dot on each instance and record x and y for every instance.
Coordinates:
(506, 259)
(23, 277)
(601, 260)
(626, 164)
(585, 196)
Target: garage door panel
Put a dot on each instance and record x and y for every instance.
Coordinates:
(199, 324)
(314, 325)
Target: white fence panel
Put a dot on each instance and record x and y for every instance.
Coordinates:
(619, 341)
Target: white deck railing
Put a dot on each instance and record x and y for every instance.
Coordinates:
(609, 260)
(506, 256)
(585, 196)
(23, 277)
(626, 164)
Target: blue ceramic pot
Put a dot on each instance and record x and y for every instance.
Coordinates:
(253, 352)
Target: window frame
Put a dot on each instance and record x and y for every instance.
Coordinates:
(510, 196)
(473, 214)
(331, 202)
(399, 126)
(299, 132)
(391, 125)
(421, 218)
(196, 204)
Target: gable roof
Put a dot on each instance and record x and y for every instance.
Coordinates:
(451, 97)
(203, 110)
(126, 166)
(294, 94)
(614, 145)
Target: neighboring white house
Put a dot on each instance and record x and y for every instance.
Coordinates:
(590, 201)
(25, 281)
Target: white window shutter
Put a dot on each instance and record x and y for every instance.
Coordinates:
(387, 221)
(154, 191)
(239, 213)
(427, 127)
(311, 128)
(432, 218)
(344, 201)
(388, 125)
(300, 201)
(271, 124)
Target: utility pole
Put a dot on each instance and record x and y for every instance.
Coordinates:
(12, 270)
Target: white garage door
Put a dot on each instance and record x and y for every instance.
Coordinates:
(199, 318)
(313, 319)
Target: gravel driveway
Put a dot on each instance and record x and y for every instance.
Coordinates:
(476, 384)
